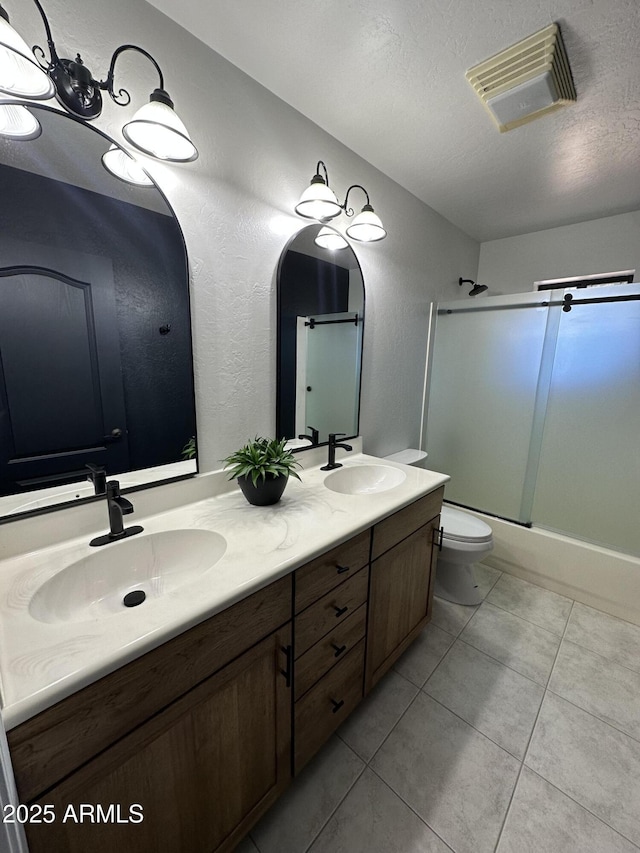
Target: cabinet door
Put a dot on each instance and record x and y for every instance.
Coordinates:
(400, 599)
(203, 770)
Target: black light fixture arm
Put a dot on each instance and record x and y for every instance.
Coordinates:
(76, 87)
(317, 178)
(107, 85)
(54, 59)
(349, 210)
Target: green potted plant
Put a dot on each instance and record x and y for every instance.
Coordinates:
(189, 450)
(262, 468)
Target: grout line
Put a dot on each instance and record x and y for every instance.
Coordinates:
(410, 807)
(342, 799)
(476, 607)
(505, 664)
(609, 615)
(555, 660)
(535, 724)
(471, 726)
(602, 657)
(591, 714)
(436, 665)
(391, 730)
(582, 806)
(528, 621)
(500, 574)
(501, 662)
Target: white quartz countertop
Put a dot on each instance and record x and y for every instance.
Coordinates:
(42, 663)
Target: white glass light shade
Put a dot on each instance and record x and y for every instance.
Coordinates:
(20, 74)
(327, 238)
(16, 122)
(124, 166)
(366, 227)
(318, 201)
(158, 131)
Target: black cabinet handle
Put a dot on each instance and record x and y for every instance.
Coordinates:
(336, 705)
(440, 538)
(342, 569)
(339, 649)
(287, 672)
(340, 611)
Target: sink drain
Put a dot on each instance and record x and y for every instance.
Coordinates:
(133, 599)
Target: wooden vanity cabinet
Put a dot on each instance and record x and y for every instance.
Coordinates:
(204, 767)
(403, 560)
(203, 733)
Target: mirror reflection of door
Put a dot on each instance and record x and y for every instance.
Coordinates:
(328, 373)
(320, 294)
(111, 334)
(61, 391)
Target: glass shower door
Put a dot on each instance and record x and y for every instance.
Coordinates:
(588, 482)
(483, 383)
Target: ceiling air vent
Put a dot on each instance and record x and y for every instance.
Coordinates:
(525, 81)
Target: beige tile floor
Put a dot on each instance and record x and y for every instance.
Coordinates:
(511, 727)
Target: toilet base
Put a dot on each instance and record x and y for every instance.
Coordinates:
(457, 583)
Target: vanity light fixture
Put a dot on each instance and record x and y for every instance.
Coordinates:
(328, 238)
(16, 122)
(20, 73)
(367, 226)
(155, 129)
(121, 164)
(319, 202)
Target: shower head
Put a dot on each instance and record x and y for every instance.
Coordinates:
(476, 289)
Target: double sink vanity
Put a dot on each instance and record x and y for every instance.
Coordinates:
(261, 630)
(160, 692)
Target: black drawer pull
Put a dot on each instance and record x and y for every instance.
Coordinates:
(287, 672)
(342, 569)
(440, 534)
(340, 611)
(339, 649)
(337, 705)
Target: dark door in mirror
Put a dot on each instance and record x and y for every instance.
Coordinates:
(95, 333)
(320, 329)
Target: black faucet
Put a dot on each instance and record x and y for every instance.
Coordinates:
(118, 506)
(314, 438)
(98, 476)
(331, 464)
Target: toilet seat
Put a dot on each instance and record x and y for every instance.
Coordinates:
(462, 527)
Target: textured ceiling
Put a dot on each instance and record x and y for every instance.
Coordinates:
(386, 78)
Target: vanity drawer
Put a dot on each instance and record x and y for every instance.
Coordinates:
(329, 651)
(401, 524)
(319, 713)
(332, 609)
(326, 572)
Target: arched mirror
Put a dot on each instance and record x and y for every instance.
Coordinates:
(320, 329)
(95, 335)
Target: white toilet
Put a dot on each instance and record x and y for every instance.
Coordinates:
(466, 540)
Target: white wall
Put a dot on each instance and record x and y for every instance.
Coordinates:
(234, 203)
(511, 265)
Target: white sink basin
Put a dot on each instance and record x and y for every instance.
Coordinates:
(364, 479)
(70, 494)
(157, 564)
